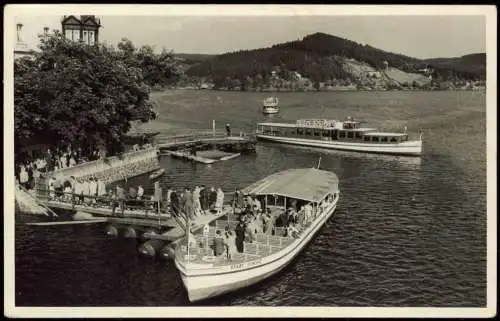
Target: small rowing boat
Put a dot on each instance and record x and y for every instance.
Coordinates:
(156, 174)
(311, 193)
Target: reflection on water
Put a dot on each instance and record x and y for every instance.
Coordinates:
(408, 231)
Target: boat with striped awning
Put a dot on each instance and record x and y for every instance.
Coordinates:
(295, 204)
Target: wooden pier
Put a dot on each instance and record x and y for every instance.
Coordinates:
(187, 146)
(144, 219)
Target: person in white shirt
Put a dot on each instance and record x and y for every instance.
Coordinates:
(220, 200)
(23, 176)
(101, 188)
(140, 192)
(256, 203)
(72, 161)
(62, 161)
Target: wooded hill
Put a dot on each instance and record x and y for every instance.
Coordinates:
(321, 57)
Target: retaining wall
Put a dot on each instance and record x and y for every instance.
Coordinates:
(113, 168)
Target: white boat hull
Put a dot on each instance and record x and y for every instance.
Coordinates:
(411, 148)
(270, 110)
(202, 286)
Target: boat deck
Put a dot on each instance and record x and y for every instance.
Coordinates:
(264, 245)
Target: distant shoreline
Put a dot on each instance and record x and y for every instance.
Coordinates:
(322, 90)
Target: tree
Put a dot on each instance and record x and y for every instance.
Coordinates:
(75, 93)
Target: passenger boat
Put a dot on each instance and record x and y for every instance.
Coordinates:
(313, 192)
(342, 135)
(156, 174)
(270, 105)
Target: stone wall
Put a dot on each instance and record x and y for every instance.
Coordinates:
(114, 168)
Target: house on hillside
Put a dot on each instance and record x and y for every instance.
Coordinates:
(372, 74)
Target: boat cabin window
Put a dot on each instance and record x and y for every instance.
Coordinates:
(300, 131)
(316, 132)
(404, 138)
(394, 139)
(358, 135)
(375, 139)
(350, 134)
(308, 132)
(326, 133)
(342, 134)
(383, 139)
(366, 138)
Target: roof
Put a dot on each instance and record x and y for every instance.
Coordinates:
(363, 129)
(309, 184)
(385, 134)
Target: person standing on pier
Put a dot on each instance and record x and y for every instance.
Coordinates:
(93, 190)
(196, 201)
(188, 203)
(212, 198)
(174, 202)
(204, 199)
(219, 201)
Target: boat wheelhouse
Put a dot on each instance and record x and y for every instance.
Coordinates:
(270, 105)
(341, 135)
(295, 204)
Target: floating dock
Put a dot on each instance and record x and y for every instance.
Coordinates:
(208, 148)
(156, 225)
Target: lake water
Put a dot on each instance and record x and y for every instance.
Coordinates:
(407, 231)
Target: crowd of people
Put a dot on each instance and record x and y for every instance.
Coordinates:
(27, 170)
(255, 219)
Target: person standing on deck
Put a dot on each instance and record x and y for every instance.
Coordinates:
(86, 191)
(231, 244)
(219, 246)
(239, 199)
(228, 130)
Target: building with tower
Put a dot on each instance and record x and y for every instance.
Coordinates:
(82, 28)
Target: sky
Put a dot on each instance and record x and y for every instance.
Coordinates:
(422, 37)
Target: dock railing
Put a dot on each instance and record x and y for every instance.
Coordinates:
(203, 136)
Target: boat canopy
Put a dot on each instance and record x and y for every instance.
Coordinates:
(309, 184)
